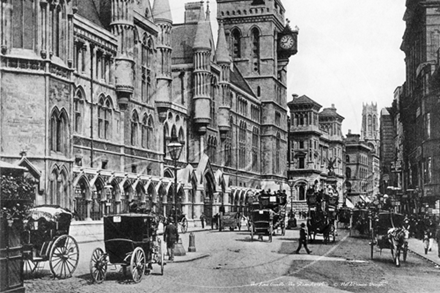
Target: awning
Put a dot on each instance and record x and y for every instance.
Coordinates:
(349, 204)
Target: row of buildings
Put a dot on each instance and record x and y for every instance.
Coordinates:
(410, 134)
(94, 91)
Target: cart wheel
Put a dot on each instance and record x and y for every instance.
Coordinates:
(98, 265)
(29, 267)
(64, 257)
(137, 264)
(184, 226)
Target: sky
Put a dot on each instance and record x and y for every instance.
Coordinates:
(348, 52)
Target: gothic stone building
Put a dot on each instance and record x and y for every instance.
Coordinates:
(92, 91)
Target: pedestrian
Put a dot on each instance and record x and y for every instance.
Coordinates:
(202, 220)
(302, 240)
(170, 236)
(431, 230)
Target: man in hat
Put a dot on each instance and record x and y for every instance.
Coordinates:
(302, 239)
(170, 236)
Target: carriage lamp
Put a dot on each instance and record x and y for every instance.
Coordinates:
(175, 149)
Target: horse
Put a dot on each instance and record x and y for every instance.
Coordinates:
(397, 240)
(322, 226)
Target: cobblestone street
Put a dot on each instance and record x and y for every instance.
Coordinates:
(235, 264)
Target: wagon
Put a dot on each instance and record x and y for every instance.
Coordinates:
(262, 223)
(321, 216)
(388, 233)
(46, 238)
(131, 241)
(231, 220)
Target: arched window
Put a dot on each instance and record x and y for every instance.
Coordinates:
(255, 50)
(302, 192)
(101, 117)
(53, 188)
(78, 102)
(228, 147)
(212, 149)
(144, 138)
(277, 153)
(236, 44)
(348, 173)
(104, 118)
(242, 145)
(58, 131)
(150, 135)
(134, 128)
(255, 139)
(146, 55)
(23, 24)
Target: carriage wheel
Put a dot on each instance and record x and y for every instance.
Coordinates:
(98, 265)
(184, 226)
(137, 264)
(64, 257)
(29, 267)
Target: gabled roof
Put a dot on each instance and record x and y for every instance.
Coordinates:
(238, 80)
(89, 10)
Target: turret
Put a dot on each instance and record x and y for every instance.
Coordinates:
(163, 19)
(202, 53)
(122, 26)
(224, 60)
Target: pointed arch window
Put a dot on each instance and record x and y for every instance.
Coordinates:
(144, 138)
(255, 50)
(78, 104)
(236, 44)
(104, 118)
(242, 145)
(255, 148)
(228, 148)
(134, 128)
(150, 135)
(277, 153)
(212, 149)
(23, 24)
(58, 131)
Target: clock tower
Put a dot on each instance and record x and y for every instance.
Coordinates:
(260, 43)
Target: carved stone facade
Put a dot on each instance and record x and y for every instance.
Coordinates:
(91, 95)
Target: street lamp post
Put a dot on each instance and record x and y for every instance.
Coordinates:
(175, 149)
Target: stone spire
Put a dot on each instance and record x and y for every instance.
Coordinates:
(222, 53)
(203, 33)
(162, 11)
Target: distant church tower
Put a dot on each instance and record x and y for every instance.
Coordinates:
(370, 127)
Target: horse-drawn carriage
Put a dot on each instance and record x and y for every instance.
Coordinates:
(359, 222)
(231, 220)
(131, 241)
(388, 232)
(46, 238)
(322, 211)
(267, 215)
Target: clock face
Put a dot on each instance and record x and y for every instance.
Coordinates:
(286, 42)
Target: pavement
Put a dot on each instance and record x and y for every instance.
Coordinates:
(416, 247)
